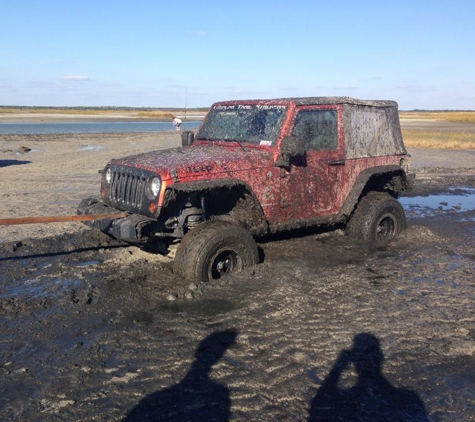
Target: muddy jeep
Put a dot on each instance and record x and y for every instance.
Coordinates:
(255, 168)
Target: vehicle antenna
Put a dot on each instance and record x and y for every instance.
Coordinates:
(186, 98)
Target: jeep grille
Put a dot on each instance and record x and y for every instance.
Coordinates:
(128, 187)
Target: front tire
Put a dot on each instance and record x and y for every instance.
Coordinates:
(378, 217)
(214, 249)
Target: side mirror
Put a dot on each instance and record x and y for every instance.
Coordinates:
(291, 146)
(187, 138)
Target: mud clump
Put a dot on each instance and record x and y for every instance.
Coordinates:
(24, 150)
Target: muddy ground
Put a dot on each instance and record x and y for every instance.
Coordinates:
(95, 330)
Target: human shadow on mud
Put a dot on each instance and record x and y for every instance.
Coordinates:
(196, 397)
(372, 398)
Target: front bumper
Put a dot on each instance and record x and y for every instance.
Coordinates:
(130, 229)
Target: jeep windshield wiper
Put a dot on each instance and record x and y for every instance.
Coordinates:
(239, 142)
(223, 140)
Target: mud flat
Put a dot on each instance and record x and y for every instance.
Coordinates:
(459, 160)
(437, 125)
(92, 329)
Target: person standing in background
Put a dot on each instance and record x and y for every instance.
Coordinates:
(176, 122)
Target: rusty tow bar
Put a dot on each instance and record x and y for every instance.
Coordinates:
(58, 219)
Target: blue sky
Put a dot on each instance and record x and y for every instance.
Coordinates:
(146, 53)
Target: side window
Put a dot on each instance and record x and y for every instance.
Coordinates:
(318, 128)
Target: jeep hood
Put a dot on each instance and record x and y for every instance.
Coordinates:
(198, 162)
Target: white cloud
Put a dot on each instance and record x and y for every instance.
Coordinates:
(202, 33)
(75, 78)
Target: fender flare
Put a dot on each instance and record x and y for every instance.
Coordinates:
(362, 181)
(258, 228)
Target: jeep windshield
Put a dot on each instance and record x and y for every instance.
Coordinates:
(256, 124)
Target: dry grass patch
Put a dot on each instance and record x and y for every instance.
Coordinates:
(161, 115)
(153, 114)
(442, 140)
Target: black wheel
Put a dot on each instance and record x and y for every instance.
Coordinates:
(378, 216)
(214, 249)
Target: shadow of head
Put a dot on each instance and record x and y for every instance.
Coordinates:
(366, 353)
(213, 347)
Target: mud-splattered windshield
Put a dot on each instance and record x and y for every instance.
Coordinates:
(255, 124)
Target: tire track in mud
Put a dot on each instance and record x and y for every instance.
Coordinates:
(311, 323)
(289, 339)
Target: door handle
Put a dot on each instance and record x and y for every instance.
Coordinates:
(340, 162)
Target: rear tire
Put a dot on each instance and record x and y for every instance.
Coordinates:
(378, 217)
(214, 249)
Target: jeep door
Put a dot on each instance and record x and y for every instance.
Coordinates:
(310, 186)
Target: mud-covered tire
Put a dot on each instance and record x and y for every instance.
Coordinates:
(213, 249)
(378, 217)
(84, 204)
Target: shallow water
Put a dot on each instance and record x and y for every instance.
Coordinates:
(455, 200)
(39, 287)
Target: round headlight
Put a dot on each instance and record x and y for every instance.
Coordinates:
(155, 185)
(108, 175)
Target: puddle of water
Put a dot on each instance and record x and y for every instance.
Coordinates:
(91, 148)
(38, 287)
(456, 200)
(86, 263)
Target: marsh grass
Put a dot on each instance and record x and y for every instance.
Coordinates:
(162, 115)
(443, 140)
(153, 114)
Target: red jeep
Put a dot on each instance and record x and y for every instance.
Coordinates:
(255, 168)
